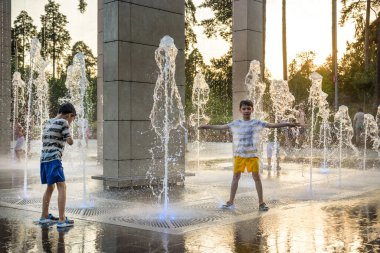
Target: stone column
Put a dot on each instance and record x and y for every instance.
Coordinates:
(246, 45)
(5, 76)
(132, 32)
(99, 109)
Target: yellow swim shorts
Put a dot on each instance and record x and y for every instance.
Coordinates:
(251, 163)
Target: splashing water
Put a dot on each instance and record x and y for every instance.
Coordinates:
(37, 64)
(343, 125)
(167, 113)
(378, 117)
(282, 102)
(317, 99)
(256, 89)
(42, 95)
(371, 132)
(18, 98)
(200, 96)
(76, 84)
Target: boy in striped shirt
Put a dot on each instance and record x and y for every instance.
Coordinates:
(55, 134)
(245, 140)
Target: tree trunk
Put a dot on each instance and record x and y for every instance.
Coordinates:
(377, 86)
(264, 37)
(23, 48)
(334, 53)
(366, 40)
(54, 44)
(284, 51)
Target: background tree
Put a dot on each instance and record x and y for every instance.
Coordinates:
(82, 6)
(219, 74)
(219, 78)
(334, 53)
(300, 69)
(90, 59)
(358, 83)
(91, 71)
(54, 37)
(284, 47)
(221, 24)
(356, 10)
(23, 32)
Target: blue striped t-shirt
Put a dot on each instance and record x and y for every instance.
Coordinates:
(246, 136)
(55, 134)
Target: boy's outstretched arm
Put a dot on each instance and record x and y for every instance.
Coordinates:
(214, 127)
(283, 124)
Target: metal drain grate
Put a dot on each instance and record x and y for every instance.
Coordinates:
(195, 216)
(156, 223)
(182, 222)
(9, 200)
(24, 202)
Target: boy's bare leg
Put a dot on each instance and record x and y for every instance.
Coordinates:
(46, 201)
(234, 186)
(61, 186)
(259, 187)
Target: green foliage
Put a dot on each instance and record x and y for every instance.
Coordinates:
(221, 24)
(327, 82)
(219, 74)
(57, 90)
(91, 100)
(190, 21)
(82, 6)
(90, 59)
(194, 63)
(219, 78)
(91, 63)
(300, 69)
(54, 36)
(356, 9)
(357, 84)
(23, 32)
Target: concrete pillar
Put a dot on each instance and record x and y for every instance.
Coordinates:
(5, 76)
(247, 45)
(99, 109)
(131, 33)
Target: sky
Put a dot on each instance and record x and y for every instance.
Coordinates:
(81, 26)
(308, 28)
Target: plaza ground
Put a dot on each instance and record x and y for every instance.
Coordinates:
(333, 214)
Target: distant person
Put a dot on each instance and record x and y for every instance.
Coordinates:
(245, 139)
(273, 149)
(55, 134)
(300, 118)
(378, 119)
(358, 124)
(20, 141)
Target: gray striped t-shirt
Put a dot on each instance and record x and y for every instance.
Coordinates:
(246, 136)
(55, 134)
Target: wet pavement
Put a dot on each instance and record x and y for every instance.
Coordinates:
(350, 225)
(331, 217)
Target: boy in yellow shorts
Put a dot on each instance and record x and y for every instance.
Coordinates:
(245, 139)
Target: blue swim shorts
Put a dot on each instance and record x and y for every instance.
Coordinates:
(52, 172)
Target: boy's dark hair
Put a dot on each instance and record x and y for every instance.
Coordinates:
(246, 102)
(67, 108)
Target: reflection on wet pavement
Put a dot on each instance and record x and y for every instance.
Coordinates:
(350, 225)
